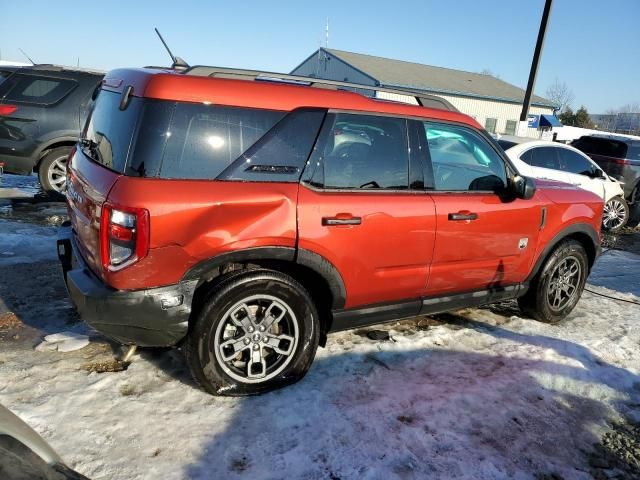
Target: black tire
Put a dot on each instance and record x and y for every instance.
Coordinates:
(618, 207)
(52, 179)
(634, 213)
(204, 346)
(536, 303)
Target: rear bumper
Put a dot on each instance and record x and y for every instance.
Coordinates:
(129, 317)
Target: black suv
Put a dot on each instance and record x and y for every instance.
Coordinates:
(619, 156)
(42, 108)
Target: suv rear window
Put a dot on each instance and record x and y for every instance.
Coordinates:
(39, 90)
(110, 129)
(601, 146)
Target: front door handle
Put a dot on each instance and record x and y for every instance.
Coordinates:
(456, 217)
(341, 219)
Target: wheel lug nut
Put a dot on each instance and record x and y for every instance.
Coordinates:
(247, 341)
(256, 347)
(265, 339)
(261, 328)
(251, 329)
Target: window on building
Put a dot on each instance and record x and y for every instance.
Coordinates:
(510, 129)
(490, 124)
(362, 152)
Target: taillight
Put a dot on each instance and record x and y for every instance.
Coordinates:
(124, 236)
(7, 109)
(621, 161)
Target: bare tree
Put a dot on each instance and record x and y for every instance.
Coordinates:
(488, 71)
(560, 94)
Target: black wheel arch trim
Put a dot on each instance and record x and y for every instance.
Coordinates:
(581, 228)
(306, 258)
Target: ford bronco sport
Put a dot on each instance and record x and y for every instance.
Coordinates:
(243, 216)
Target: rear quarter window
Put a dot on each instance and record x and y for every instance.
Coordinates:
(39, 90)
(203, 140)
(601, 146)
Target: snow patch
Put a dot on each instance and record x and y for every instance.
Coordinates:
(63, 342)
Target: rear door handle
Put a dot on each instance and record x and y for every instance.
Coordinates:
(456, 217)
(341, 219)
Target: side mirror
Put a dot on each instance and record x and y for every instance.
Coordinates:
(523, 187)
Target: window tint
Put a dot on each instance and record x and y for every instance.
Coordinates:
(39, 90)
(4, 74)
(601, 146)
(633, 153)
(362, 152)
(490, 124)
(463, 160)
(280, 155)
(203, 140)
(109, 130)
(544, 157)
(574, 163)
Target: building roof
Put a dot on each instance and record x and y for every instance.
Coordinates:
(399, 73)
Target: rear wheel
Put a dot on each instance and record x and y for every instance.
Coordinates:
(555, 291)
(52, 172)
(615, 214)
(257, 332)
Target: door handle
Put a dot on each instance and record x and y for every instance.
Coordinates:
(456, 217)
(341, 219)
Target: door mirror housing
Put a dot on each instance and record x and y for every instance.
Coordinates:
(523, 187)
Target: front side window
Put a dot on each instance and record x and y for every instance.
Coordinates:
(462, 160)
(362, 152)
(574, 163)
(39, 90)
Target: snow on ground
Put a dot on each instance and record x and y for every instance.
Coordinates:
(25, 243)
(475, 394)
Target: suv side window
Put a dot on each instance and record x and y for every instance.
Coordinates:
(280, 155)
(543, 157)
(362, 152)
(206, 139)
(601, 146)
(573, 163)
(462, 160)
(39, 90)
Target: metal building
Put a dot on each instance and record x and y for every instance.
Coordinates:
(494, 103)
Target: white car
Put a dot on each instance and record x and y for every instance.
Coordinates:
(556, 161)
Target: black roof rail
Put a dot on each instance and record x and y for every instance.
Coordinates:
(423, 99)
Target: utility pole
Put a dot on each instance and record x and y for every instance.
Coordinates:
(522, 126)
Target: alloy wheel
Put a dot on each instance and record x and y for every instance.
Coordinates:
(564, 282)
(256, 339)
(613, 214)
(57, 174)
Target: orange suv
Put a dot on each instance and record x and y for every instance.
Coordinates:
(244, 215)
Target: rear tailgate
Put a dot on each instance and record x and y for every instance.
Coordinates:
(88, 185)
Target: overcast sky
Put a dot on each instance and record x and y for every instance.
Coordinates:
(592, 45)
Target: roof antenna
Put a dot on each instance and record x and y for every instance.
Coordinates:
(178, 63)
(28, 57)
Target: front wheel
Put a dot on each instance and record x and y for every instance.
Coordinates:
(52, 172)
(555, 291)
(258, 331)
(615, 214)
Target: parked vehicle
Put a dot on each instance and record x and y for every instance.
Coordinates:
(556, 161)
(619, 156)
(246, 216)
(24, 455)
(42, 109)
